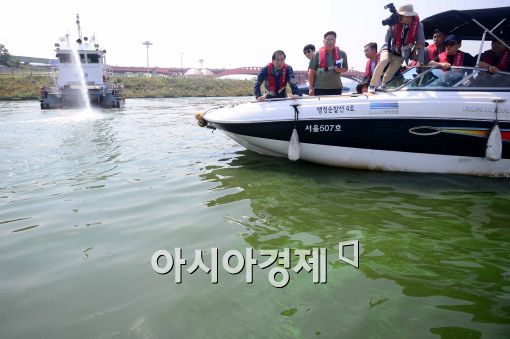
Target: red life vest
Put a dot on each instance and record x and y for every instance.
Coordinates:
(411, 34)
(433, 51)
(412, 63)
(323, 61)
(458, 58)
(271, 80)
(504, 59)
(368, 74)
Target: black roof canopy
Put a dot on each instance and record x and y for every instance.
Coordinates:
(461, 23)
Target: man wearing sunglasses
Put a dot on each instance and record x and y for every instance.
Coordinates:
(325, 68)
(453, 56)
(309, 51)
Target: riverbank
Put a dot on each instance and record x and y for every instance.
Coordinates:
(26, 87)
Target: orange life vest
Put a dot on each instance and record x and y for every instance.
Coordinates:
(271, 80)
(458, 58)
(368, 74)
(323, 61)
(504, 59)
(411, 34)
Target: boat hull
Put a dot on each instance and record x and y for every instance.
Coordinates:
(376, 159)
(430, 136)
(380, 133)
(72, 99)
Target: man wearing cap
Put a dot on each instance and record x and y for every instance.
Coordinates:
(453, 56)
(497, 58)
(400, 38)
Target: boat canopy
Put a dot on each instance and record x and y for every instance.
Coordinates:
(464, 23)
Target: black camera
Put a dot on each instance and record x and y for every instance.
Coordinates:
(393, 19)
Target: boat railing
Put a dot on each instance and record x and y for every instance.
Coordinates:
(434, 78)
(116, 90)
(484, 35)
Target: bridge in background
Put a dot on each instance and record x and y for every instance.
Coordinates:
(301, 76)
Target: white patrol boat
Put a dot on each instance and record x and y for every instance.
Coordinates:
(427, 120)
(81, 78)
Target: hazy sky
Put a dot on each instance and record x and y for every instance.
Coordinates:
(223, 33)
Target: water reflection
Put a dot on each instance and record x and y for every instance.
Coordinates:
(434, 235)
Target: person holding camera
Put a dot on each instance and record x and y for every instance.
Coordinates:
(405, 31)
(325, 68)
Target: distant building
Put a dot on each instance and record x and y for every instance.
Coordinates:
(193, 73)
(207, 73)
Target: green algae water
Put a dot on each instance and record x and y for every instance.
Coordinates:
(86, 198)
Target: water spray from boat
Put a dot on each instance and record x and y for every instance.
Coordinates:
(78, 69)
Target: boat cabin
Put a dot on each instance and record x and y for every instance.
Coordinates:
(92, 65)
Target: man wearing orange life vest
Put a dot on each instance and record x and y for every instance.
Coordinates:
(325, 68)
(497, 58)
(275, 76)
(399, 41)
(453, 56)
(433, 50)
(373, 57)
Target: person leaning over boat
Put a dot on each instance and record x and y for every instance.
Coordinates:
(453, 56)
(437, 47)
(497, 58)
(275, 76)
(325, 68)
(373, 58)
(399, 41)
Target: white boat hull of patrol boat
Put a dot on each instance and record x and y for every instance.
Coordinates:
(431, 132)
(376, 159)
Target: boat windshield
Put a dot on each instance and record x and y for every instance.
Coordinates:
(457, 78)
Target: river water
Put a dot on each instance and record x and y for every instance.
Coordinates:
(86, 198)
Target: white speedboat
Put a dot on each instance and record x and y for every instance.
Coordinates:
(81, 77)
(427, 120)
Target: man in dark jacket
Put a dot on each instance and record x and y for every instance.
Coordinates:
(275, 76)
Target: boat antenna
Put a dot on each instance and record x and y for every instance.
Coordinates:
(78, 24)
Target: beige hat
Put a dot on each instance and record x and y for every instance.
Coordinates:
(406, 10)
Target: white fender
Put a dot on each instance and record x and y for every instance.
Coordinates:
(494, 144)
(294, 146)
